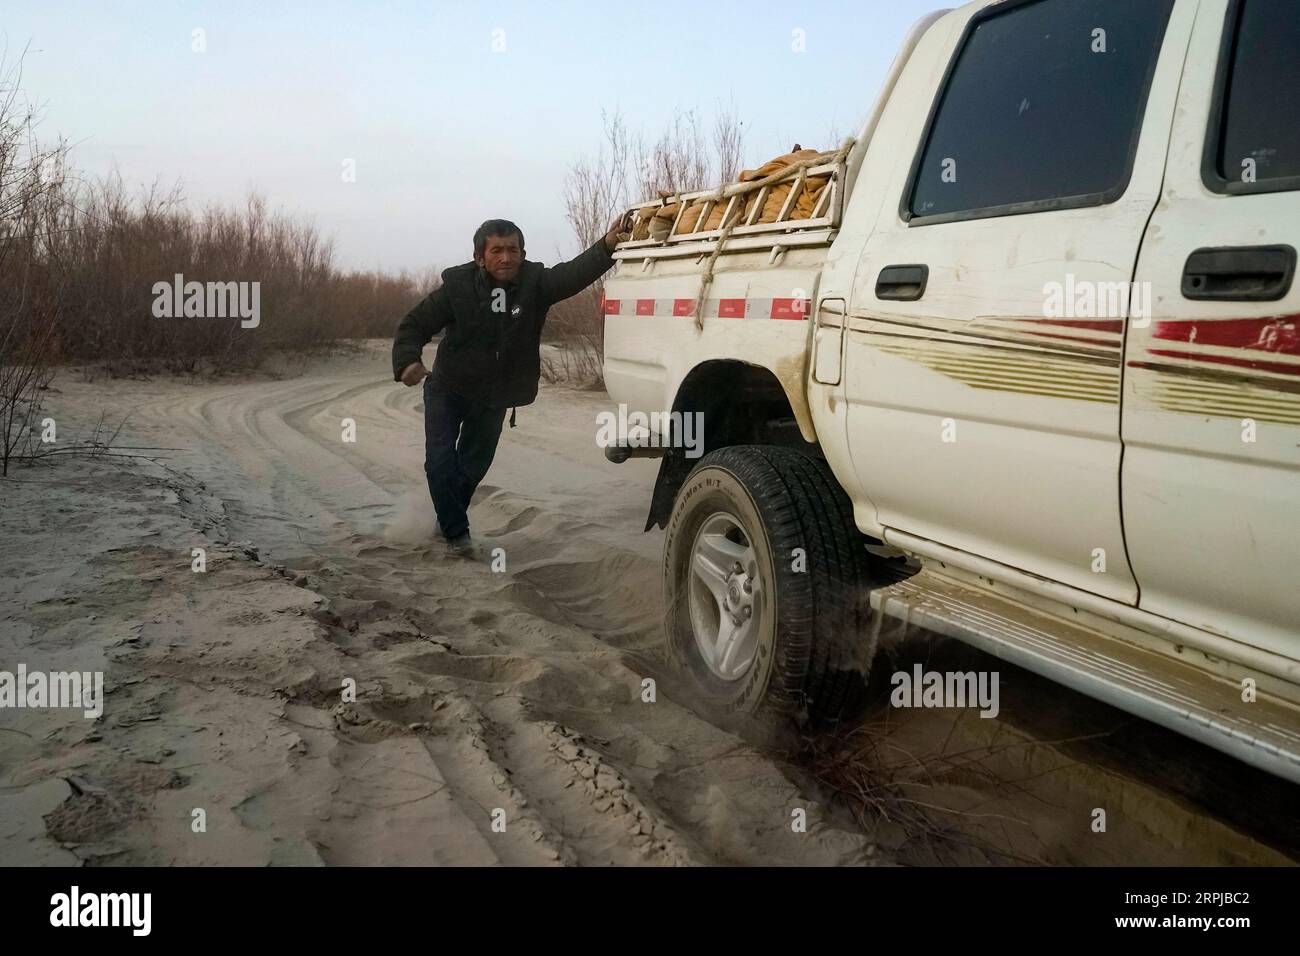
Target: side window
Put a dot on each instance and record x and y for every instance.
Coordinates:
(1254, 140)
(1043, 106)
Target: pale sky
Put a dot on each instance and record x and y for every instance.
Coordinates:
(445, 131)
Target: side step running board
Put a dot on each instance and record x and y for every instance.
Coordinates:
(1159, 688)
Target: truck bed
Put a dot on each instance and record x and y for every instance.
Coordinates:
(740, 292)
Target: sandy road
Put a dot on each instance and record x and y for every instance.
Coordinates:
(499, 714)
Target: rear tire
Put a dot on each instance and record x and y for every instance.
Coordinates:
(768, 529)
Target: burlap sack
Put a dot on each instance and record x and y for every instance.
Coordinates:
(644, 216)
(777, 195)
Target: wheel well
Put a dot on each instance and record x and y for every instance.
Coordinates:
(741, 404)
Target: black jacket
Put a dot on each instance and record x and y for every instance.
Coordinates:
(486, 355)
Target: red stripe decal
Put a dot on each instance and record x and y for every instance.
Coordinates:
(645, 306)
(1279, 334)
(731, 308)
(683, 306)
(611, 306)
(790, 308)
(1250, 363)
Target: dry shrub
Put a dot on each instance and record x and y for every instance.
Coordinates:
(30, 176)
(79, 261)
(575, 331)
(106, 250)
(936, 805)
(623, 170)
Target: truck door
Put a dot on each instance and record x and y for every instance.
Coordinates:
(1211, 483)
(983, 358)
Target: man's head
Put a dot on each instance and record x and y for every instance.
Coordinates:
(499, 248)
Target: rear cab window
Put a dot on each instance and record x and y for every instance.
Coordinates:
(1041, 109)
(1253, 143)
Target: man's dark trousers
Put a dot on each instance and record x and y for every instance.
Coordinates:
(460, 440)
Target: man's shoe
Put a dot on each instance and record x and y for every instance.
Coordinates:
(462, 545)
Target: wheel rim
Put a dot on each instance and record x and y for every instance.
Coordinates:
(726, 596)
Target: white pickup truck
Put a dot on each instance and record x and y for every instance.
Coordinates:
(1028, 375)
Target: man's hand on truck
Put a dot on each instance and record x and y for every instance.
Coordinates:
(620, 231)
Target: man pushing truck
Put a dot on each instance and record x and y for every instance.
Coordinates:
(491, 311)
